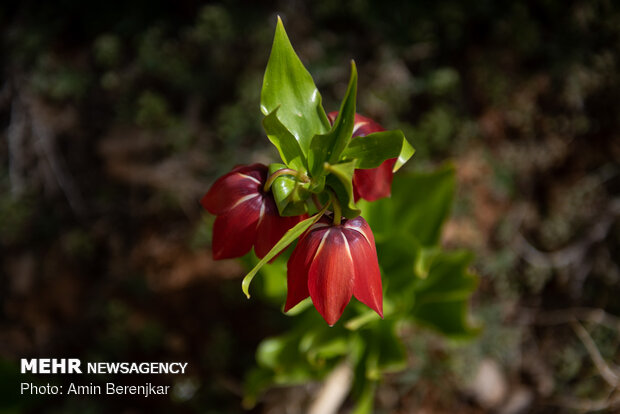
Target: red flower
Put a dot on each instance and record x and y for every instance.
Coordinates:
(330, 264)
(374, 183)
(246, 214)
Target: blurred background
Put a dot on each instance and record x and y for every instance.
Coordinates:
(116, 118)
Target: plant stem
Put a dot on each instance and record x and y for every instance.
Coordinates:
(316, 202)
(337, 210)
(285, 171)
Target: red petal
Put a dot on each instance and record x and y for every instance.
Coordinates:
(234, 232)
(364, 126)
(361, 225)
(330, 279)
(258, 171)
(299, 265)
(271, 226)
(367, 284)
(375, 183)
(228, 190)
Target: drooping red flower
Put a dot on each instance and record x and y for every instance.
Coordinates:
(330, 264)
(246, 215)
(373, 183)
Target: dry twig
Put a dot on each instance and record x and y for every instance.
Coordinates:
(607, 373)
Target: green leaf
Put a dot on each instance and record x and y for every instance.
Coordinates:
(442, 297)
(285, 142)
(392, 353)
(365, 403)
(406, 152)
(290, 236)
(320, 345)
(288, 85)
(340, 180)
(422, 203)
(328, 147)
(289, 194)
(373, 149)
(281, 355)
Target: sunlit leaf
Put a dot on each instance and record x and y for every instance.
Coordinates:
(373, 149)
(288, 85)
(406, 152)
(327, 148)
(284, 141)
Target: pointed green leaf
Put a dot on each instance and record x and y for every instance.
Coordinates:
(285, 142)
(372, 149)
(288, 85)
(328, 147)
(290, 236)
(340, 179)
(406, 152)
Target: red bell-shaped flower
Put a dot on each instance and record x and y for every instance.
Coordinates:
(373, 183)
(246, 215)
(330, 264)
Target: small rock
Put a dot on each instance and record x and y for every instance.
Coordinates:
(489, 387)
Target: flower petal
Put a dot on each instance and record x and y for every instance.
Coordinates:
(272, 226)
(299, 265)
(374, 183)
(364, 126)
(367, 284)
(234, 232)
(331, 275)
(227, 190)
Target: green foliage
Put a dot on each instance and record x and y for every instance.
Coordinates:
(373, 149)
(423, 285)
(326, 157)
(288, 85)
(284, 141)
(328, 147)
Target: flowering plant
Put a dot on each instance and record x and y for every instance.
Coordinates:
(331, 194)
(328, 163)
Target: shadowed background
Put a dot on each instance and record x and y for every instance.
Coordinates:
(116, 118)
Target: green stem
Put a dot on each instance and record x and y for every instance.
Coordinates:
(285, 171)
(337, 209)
